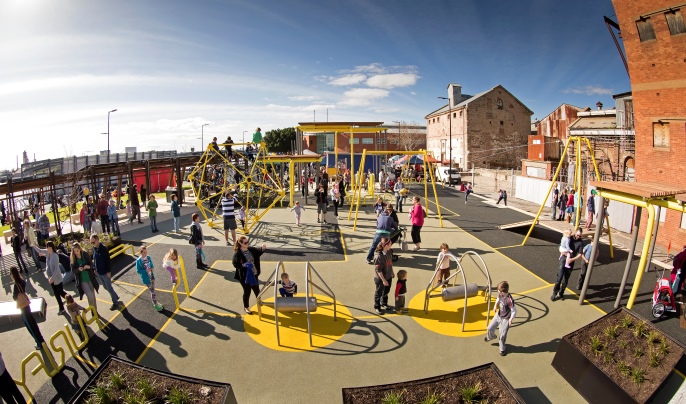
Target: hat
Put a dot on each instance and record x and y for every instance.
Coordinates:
(594, 192)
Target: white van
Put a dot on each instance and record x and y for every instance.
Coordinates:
(449, 176)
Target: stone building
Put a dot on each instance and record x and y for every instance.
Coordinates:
(489, 129)
(654, 36)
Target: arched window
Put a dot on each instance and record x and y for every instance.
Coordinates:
(500, 103)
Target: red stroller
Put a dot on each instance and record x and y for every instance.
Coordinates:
(663, 297)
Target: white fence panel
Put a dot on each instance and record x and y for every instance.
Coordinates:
(532, 189)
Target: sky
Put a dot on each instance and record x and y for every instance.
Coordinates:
(169, 66)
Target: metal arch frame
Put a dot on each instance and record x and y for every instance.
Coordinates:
(460, 270)
(357, 194)
(309, 297)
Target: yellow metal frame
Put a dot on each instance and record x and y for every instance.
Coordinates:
(577, 185)
(121, 249)
(357, 195)
(182, 265)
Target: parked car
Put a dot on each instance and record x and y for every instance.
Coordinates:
(450, 176)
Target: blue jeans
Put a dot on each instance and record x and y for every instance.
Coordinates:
(34, 255)
(153, 223)
(115, 224)
(375, 242)
(399, 203)
(176, 224)
(107, 284)
(562, 277)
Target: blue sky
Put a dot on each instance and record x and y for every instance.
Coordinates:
(170, 66)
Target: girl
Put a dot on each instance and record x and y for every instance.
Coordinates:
(570, 206)
(176, 212)
(152, 213)
(336, 198)
(82, 267)
(197, 240)
(24, 305)
(247, 259)
(74, 309)
(144, 267)
(298, 211)
(113, 216)
(444, 270)
(171, 263)
(379, 206)
(417, 219)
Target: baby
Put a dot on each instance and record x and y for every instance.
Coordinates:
(298, 211)
(288, 287)
(565, 250)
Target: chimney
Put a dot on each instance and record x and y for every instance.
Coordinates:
(454, 94)
(599, 105)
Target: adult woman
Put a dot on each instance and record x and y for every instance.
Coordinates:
(53, 272)
(82, 267)
(417, 219)
(400, 191)
(245, 259)
(31, 241)
(383, 274)
(562, 204)
(23, 304)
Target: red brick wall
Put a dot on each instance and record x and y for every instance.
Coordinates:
(657, 69)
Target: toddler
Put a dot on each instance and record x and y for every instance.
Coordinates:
(444, 270)
(298, 211)
(171, 263)
(379, 207)
(565, 249)
(241, 216)
(400, 291)
(74, 309)
(288, 287)
(505, 311)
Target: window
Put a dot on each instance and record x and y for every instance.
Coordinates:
(683, 220)
(454, 114)
(393, 140)
(501, 123)
(354, 141)
(645, 29)
(661, 135)
(675, 21)
(460, 114)
(380, 141)
(367, 140)
(500, 103)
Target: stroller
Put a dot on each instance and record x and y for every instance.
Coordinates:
(399, 235)
(663, 296)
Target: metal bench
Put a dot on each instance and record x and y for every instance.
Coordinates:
(9, 309)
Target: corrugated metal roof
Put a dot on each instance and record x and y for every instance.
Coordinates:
(594, 122)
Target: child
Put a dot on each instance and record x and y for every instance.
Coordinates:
(74, 309)
(129, 214)
(444, 271)
(298, 211)
(288, 287)
(198, 241)
(379, 207)
(171, 263)
(241, 216)
(400, 290)
(505, 311)
(144, 267)
(565, 249)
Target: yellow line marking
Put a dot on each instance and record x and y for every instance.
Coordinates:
(345, 250)
(84, 360)
(509, 246)
(679, 373)
(125, 307)
(526, 292)
(141, 286)
(150, 344)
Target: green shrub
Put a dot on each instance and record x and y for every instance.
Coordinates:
(471, 394)
(638, 375)
(117, 381)
(638, 352)
(596, 345)
(611, 331)
(393, 397)
(433, 398)
(624, 369)
(179, 396)
(627, 321)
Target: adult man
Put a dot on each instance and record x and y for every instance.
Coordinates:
(555, 201)
(383, 276)
(102, 211)
(103, 268)
(135, 204)
(384, 226)
(563, 273)
(43, 227)
(590, 207)
(229, 205)
(320, 196)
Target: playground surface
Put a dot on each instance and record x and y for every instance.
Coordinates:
(211, 337)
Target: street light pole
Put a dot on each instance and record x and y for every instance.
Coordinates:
(108, 134)
(450, 152)
(202, 136)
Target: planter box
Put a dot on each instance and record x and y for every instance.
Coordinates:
(226, 397)
(589, 375)
(496, 388)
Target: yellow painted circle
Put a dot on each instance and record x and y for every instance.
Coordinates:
(446, 317)
(293, 326)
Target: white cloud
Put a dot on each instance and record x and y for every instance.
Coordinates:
(589, 90)
(413, 93)
(360, 97)
(303, 98)
(392, 80)
(348, 80)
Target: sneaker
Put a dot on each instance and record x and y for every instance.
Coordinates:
(114, 306)
(324, 222)
(486, 339)
(158, 306)
(378, 312)
(247, 310)
(61, 312)
(502, 353)
(562, 297)
(318, 221)
(38, 347)
(227, 243)
(370, 262)
(553, 298)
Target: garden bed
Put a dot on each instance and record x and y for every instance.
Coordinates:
(121, 381)
(483, 383)
(620, 357)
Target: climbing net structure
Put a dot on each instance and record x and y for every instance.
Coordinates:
(247, 173)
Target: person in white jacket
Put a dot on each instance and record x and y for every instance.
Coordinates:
(53, 272)
(31, 241)
(505, 312)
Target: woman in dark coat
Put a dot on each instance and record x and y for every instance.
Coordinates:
(86, 282)
(247, 258)
(29, 321)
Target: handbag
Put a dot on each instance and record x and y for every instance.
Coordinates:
(404, 246)
(22, 299)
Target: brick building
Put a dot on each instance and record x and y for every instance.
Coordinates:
(489, 129)
(654, 37)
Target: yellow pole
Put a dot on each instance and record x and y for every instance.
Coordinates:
(577, 183)
(357, 210)
(291, 182)
(609, 234)
(335, 151)
(426, 184)
(550, 189)
(597, 176)
(433, 185)
(644, 257)
(182, 265)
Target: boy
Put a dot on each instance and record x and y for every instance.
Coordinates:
(400, 290)
(288, 287)
(444, 271)
(505, 311)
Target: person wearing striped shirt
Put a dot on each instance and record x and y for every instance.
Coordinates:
(229, 206)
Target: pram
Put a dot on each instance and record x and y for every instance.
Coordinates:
(663, 296)
(399, 235)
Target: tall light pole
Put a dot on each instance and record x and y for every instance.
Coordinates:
(450, 152)
(202, 136)
(398, 122)
(108, 134)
